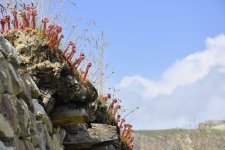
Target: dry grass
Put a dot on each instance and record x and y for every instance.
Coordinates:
(181, 139)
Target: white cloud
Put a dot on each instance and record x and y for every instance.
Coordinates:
(190, 91)
(184, 72)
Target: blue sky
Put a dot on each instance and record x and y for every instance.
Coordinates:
(162, 59)
(155, 33)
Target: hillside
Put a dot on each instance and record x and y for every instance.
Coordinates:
(209, 135)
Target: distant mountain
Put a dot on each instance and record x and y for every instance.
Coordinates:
(209, 135)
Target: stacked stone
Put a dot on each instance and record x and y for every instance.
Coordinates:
(24, 123)
(58, 100)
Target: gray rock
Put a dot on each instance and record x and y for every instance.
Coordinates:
(68, 114)
(6, 132)
(8, 108)
(49, 142)
(48, 99)
(41, 115)
(35, 139)
(28, 145)
(35, 92)
(12, 83)
(8, 50)
(18, 143)
(1, 91)
(5, 78)
(15, 79)
(24, 118)
(64, 96)
(3, 147)
(25, 94)
(41, 135)
(50, 70)
(81, 137)
(58, 138)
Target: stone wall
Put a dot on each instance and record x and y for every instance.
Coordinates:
(43, 103)
(24, 123)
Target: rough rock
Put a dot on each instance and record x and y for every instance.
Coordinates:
(3, 147)
(49, 69)
(44, 104)
(35, 92)
(8, 109)
(58, 137)
(68, 114)
(48, 99)
(24, 121)
(6, 132)
(83, 137)
(98, 114)
(7, 80)
(12, 83)
(41, 115)
(20, 127)
(9, 51)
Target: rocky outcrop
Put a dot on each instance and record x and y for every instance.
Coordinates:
(44, 105)
(96, 136)
(24, 123)
(49, 70)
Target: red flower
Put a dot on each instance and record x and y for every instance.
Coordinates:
(86, 71)
(15, 22)
(44, 21)
(2, 22)
(7, 20)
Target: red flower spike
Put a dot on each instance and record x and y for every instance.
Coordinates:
(86, 71)
(49, 30)
(67, 48)
(2, 22)
(60, 39)
(111, 106)
(53, 41)
(58, 29)
(25, 23)
(77, 62)
(21, 26)
(115, 110)
(72, 53)
(124, 130)
(118, 118)
(7, 20)
(15, 21)
(121, 123)
(54, 36)
(44, 21)
(33, 13)
(80, 60)
(130, 140)
(29, 9)
(128, 134)
(105, 99)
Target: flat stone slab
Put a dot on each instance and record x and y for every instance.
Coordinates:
(82, 137)
(65, 115)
